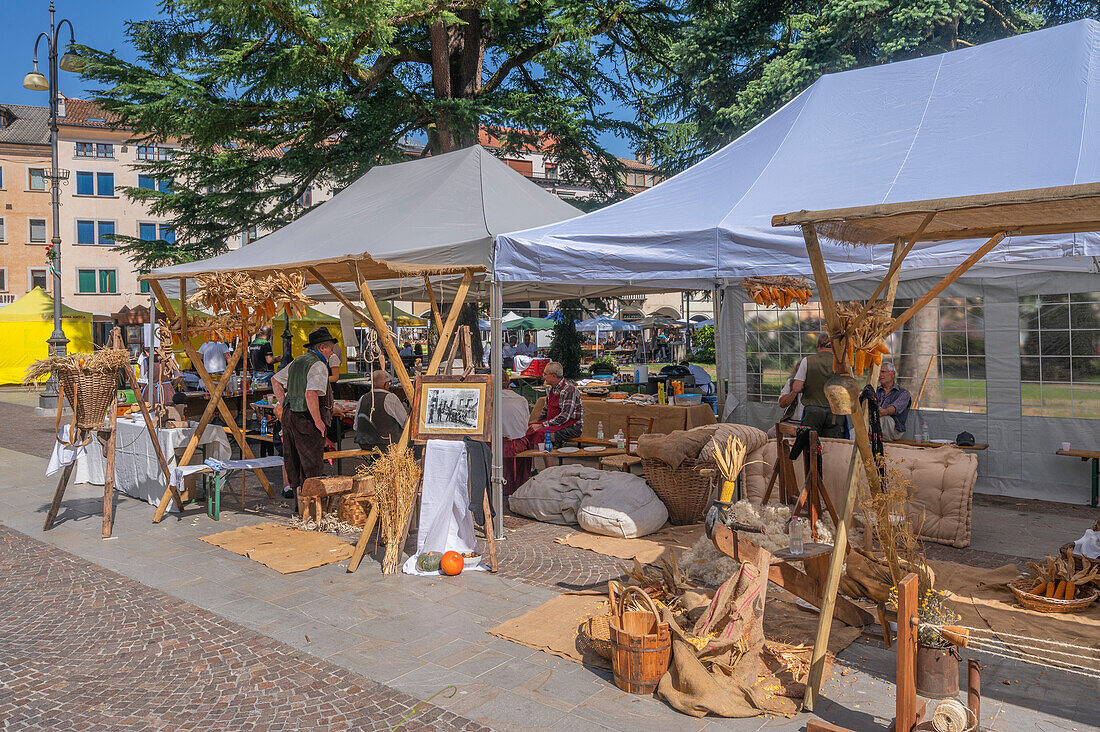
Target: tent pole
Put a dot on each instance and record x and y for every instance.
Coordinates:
(496, 296)
(720, 351)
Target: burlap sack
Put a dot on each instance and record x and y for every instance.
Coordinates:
(866, 576)
(722, 677)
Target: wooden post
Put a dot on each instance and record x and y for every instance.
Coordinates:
(890, 279)
(364, 538)
(109, 474)
(449, 326)
(436, 315)
(907, 655)
(946, 281)
(58, 494)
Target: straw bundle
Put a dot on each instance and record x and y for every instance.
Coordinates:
(106, 360)
(396, 476)
(731, 457)
(778, 291)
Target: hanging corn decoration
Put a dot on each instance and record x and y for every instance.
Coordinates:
(777, 292)
(862, 346)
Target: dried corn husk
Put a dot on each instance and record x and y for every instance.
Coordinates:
(105, 360)
(777, 291)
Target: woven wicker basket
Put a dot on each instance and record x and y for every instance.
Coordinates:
(1048, 604)
(351, 512)
(684, 490)
(596, 632)
(91, 395)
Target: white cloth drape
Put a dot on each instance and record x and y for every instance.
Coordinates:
(445, 520)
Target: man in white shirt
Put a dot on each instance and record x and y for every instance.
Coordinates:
(527, 348)
(508, 354)
(516, 416)
(213, 356)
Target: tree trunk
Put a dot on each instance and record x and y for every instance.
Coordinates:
(458, 57)
(920, 343)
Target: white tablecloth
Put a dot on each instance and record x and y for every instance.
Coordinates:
(137, 472)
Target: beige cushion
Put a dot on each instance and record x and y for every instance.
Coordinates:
(943, 484)
(753, 438)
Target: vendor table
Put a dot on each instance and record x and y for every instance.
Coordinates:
(560, 456)
(919, 443)
(137, 472)
(1094, 456)
(614, 415)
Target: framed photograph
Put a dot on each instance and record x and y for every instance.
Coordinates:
(447, 407)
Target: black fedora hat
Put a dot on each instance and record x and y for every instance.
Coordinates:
(320, 335)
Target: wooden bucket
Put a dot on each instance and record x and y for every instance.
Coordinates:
(641, 646)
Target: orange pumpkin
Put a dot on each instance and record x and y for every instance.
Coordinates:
(451, 563)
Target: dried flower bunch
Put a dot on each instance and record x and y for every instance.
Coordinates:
(897, 538)
(778, 291)
(933, 612)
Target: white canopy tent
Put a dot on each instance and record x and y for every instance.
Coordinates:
(1004, 116)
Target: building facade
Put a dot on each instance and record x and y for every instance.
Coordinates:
(24, 200)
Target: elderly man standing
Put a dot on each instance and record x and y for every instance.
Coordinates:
(304, 406)
(893, 403)
(563, 414)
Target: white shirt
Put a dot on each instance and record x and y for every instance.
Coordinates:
(796, 415)
(506, 351)
(527, 349)
(316, 377)
(800, 373)
(213, 356)
(516, 415)
(395, 408)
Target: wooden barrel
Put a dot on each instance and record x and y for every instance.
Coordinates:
(641, 646)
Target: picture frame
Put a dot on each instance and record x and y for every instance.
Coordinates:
(449, 407)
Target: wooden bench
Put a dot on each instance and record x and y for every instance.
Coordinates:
(314, 490)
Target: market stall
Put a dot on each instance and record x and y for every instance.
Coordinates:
(27, 323)
(615, 415)
(451, 237)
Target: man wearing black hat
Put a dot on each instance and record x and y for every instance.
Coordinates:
(304, 396)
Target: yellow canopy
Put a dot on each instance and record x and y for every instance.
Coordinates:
(27, 323)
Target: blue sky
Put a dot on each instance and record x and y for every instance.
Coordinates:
(97, 23)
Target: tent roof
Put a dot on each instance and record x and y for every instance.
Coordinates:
(1058, 210)
(35, 306)
(435, 215)
(1013, 114)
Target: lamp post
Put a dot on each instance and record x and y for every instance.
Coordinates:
(35, 81)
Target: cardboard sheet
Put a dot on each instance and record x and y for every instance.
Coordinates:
(646, 549)
(283, 548)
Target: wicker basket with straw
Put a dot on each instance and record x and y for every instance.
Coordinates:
(89, 382)
(684, 490)
(1041, 604)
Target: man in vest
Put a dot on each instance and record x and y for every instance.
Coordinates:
(381, 416)
(809, 383)
(563, 414)
(304, 405)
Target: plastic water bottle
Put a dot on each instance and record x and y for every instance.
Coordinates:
(925, 435)
(620, 440)
(263, 426)
(798, 535)
(599, 431)
(548, 445)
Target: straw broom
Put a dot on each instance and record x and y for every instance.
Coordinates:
(396, 475)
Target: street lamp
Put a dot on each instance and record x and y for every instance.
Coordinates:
(35, 81)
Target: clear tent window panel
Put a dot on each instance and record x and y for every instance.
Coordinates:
(776, 341)
(1060, 355)
(940, 354)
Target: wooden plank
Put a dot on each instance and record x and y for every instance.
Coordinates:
(906, 690)
(437, 316)
(890, 279)
(109, 473)
(383, 330)
(821, 279)
(364, 539)
(817, 725)
(449, 326)
(490, 538)
(945, 282)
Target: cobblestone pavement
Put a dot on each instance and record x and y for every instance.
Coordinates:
(395, 635)
(83, 648)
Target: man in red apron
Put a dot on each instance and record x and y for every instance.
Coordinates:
(563, 415)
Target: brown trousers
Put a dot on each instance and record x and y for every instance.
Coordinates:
(303, 448)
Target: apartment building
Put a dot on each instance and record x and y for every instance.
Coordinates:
(24, 200)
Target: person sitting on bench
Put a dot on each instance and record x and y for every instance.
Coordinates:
(381, 416)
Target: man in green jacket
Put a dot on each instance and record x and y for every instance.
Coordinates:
(304, 406)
